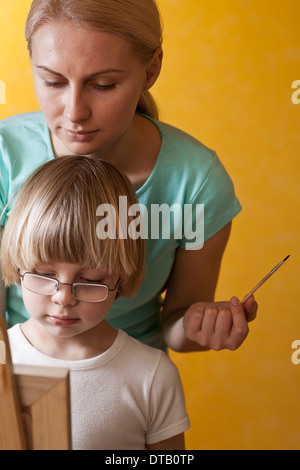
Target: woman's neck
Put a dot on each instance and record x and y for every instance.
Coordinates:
(135, 153)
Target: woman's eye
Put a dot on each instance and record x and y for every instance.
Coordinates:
(54, 84)
(109, 87)
(105, 87)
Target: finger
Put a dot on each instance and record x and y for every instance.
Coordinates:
(192, 322)
(224, 323)
(223, 327)
(208, 325)
(240, 327)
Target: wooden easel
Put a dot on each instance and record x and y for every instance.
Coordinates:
(34, 404)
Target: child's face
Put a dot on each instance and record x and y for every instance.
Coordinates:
(62, 314)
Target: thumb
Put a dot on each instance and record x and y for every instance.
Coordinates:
(250, 308)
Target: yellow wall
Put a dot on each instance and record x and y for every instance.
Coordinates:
(228, 71)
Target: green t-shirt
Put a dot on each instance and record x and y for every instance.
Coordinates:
(186, 174)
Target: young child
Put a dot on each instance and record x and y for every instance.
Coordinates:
(124, 394)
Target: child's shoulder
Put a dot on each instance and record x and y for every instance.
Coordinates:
(147, 358)
(136, 346)
(14, 331)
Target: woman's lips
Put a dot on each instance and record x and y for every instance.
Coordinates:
(80, 136)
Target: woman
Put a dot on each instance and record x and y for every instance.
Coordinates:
(93, 68)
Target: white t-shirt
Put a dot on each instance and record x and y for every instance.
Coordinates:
(127, 397)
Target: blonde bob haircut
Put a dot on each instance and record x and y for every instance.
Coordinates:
(138, 21)
(55, 220)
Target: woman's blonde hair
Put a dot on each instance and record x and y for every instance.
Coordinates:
(55, 220)
(138, 21)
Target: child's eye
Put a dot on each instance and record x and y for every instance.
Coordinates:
(42, 273)
(93, 281)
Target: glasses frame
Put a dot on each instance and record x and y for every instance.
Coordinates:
(73, 286)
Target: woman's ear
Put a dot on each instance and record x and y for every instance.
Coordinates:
(153, 68)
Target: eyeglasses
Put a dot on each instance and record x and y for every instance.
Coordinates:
(83, 291)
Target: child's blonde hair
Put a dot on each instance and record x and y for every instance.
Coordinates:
(138, 21)
(55, 220)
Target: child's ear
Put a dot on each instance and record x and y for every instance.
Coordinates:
(153, 68)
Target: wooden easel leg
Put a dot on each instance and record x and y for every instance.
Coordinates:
(12, 436)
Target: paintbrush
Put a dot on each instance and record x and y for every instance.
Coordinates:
(264, 279)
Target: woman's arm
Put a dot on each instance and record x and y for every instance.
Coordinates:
(2, 287)
(192, 321)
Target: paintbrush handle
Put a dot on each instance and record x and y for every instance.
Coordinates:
(264, 280)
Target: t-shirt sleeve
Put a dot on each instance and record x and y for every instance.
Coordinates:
(212, 206)
(168, 416)
(25, 145)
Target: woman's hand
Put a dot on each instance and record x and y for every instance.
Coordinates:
(219, 325)
(190, 325)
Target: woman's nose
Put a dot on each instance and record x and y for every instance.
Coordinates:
(76, 106)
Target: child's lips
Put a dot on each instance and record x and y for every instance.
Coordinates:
(63, 321)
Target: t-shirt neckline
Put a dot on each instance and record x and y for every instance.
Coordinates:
(83, 364)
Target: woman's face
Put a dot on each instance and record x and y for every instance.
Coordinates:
(88, 84)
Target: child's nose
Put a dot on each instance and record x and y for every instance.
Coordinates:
(64, 295)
